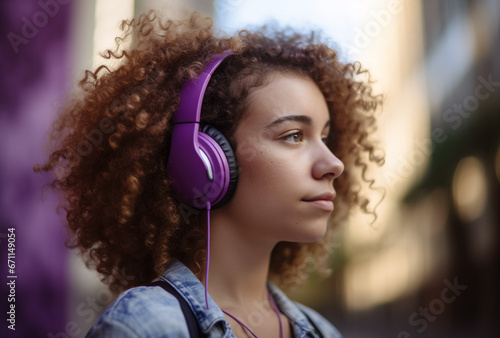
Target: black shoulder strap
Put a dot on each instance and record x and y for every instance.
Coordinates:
(192, 323)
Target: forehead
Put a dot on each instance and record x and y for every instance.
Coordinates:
(286, 94)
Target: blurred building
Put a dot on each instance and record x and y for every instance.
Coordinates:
(463, 80)
(432, 266)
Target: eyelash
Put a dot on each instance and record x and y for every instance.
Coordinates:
(290, 137)
(300, 134)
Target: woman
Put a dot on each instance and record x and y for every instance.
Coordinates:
(146, 200)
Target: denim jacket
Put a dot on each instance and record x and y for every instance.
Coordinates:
(147, 311)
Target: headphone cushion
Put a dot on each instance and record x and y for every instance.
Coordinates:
(221, 140)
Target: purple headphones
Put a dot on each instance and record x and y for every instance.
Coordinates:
(201, 164)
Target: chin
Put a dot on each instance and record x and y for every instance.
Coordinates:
(312, 233)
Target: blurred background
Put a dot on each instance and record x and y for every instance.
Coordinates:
(429, 266)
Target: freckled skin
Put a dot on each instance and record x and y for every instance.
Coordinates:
(268, 202)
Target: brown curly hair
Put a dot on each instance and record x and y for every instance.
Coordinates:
(112, 141)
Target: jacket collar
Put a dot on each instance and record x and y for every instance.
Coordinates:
(292, 311)
(193, 291)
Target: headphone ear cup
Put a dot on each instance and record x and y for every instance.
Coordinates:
(221, 140)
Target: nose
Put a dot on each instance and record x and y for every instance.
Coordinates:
(326, 164)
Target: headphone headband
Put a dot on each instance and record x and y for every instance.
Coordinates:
(191, 96)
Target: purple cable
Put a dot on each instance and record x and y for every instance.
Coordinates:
(208, 254)
(275, 308)
(236, 319)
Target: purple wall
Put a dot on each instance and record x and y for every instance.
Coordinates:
(33, 56)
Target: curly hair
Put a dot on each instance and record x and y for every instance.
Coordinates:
(111, 142)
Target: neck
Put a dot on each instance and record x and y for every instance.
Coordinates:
(239, 264)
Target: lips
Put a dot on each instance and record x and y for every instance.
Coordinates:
(323, 201)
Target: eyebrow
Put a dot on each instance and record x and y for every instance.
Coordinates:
(298, 118)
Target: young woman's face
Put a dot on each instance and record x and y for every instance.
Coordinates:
(285, 187)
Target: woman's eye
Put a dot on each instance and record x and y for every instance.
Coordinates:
(295, 137)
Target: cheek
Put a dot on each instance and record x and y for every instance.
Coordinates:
(269, 168)
(268, 186)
